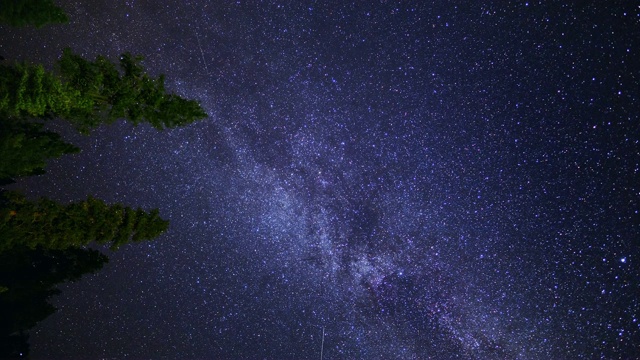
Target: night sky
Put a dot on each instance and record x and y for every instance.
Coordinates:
(446, 180)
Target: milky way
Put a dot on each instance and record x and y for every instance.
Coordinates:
(416, 180)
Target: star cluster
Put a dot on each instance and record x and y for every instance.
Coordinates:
(412, 179)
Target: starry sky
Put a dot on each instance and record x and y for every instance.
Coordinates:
(415, 179)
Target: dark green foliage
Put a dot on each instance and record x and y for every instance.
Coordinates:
(125, 93)
(31, 13)
(28, 91)
(28, 279)
(91, 93)
(54, 226)
(25, 147)
(174, 111)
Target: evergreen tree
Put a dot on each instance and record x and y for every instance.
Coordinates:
(29, 278)
(43, 243)
(128, 93)
(54, 226)
(25, 147)
(29, 91)
(90, 93)
(31, 12)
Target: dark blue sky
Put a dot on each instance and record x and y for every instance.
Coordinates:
(447, 180)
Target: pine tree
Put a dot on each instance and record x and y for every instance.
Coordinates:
(29, 91)
(31, 12)
(51, 225)
(29, 278)
(128, 93)
(91, 93)
(25, 147)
